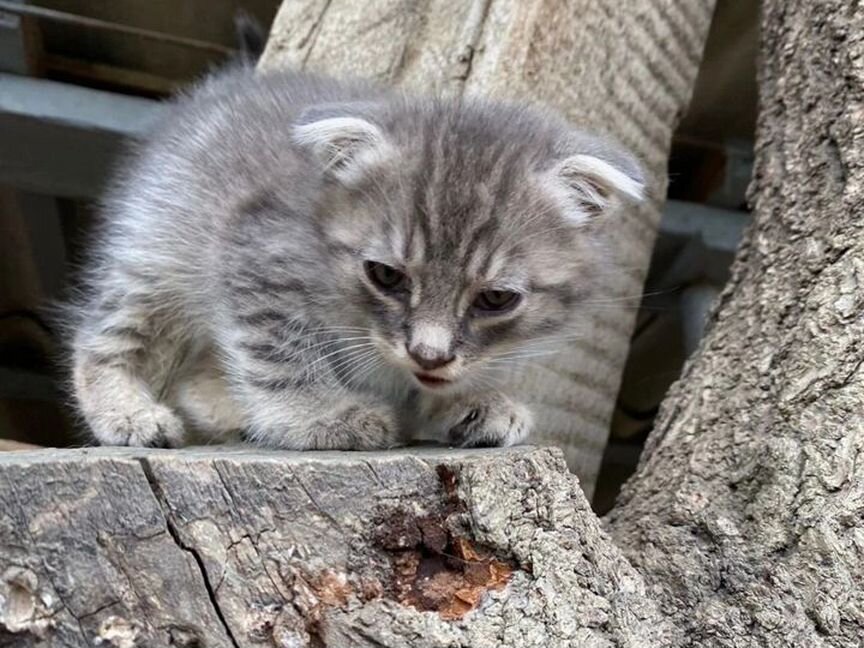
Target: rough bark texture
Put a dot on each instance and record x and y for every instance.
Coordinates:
(747, 518)
(235, 548)
(625, 68)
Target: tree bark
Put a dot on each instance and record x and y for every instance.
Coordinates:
(624, 68)
(747, 515)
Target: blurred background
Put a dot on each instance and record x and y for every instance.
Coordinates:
(80, 79)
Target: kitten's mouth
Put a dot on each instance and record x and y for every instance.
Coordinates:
(433, 382)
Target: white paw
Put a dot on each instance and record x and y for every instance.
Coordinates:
(498, 422)
(155, 426)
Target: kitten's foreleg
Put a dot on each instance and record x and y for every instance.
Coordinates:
(118, 367)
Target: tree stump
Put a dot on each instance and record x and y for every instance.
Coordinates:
(237, 547)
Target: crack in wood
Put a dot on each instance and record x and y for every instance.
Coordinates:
(253, 542)
(312, 34)
(156, 489)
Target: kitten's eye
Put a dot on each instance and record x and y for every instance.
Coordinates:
(387, 278)
(496, 301)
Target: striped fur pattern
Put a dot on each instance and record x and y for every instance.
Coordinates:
(244, 282)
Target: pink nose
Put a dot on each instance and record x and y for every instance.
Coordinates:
(428, 358)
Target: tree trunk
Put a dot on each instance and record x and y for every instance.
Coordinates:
(747, 515)
(625, 68)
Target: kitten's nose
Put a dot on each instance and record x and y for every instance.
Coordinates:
(429, 358)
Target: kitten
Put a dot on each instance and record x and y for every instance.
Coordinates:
(318, 264)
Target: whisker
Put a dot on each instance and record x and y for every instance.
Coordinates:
(344, 360)
(319, 360)
(366, 369)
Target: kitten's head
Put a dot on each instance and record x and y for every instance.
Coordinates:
(460, 234)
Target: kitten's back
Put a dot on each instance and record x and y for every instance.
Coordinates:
(216, 147)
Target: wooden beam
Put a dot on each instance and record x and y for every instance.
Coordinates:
(61, 139)
(108, 77)
(20, 43)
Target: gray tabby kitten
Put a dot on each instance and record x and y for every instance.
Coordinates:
(333, 265)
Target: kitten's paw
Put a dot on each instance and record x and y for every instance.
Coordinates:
(356, 427)
(155, 426)
(497, 422)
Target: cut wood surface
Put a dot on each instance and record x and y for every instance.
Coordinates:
(623, 68)
(237, 547)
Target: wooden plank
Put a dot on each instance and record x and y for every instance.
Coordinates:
(61, 139)
(20, 43)
(109, 76)
(16, 446)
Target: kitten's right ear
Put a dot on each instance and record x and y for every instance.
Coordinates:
(592, 178)
(346, 146)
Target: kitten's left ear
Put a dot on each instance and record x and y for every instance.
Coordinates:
(344, 144)
(590, 184)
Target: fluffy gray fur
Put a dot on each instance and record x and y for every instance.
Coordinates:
(238, 284)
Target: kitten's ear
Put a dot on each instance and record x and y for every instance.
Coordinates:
(344, 144)
(591, 184)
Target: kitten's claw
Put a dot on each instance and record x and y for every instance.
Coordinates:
(497, 423)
